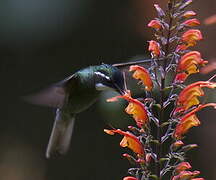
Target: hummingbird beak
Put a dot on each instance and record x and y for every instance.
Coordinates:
(123, 89)
(120, 90)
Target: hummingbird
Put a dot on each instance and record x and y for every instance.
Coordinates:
(75, 94)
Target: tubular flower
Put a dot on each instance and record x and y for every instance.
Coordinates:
(142, 74)
(190, 61)
(189, 14)
(189, 120)
(129, 140)
(191, 36)
(154, 47)
(184, 175)
(155, 24)
(130, 178)
(191, 22)
(135, 108)
(188, 96)
(182, 167)
(197, 179)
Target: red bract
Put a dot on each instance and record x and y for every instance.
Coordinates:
(142, 74)
(129, 140)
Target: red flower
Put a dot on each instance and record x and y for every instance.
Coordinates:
(191, 22)
(178, 144)
(184, 175)
(188, 96)
(135, 108)
(182, 167)
(155, 24)
(130, 178)
(189, 14)
(190, 61)
(142, 74)
(181, 77)
(191, 36)
(129, 140)
(154, 47)
(189, 120)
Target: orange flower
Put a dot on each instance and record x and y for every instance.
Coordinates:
(182, 167)
(189, 14)
(191, 22)
(189, 120)
(190, 61)
(188, 96)
(130, 178)
(129, 140)
(142, 74)
(191, 36)
(154, 47)
(155, 24)
(135, 108)
(186, 175)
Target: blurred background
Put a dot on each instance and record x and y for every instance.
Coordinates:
(44, 41)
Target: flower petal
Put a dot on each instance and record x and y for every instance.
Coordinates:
(129, 140)
(189, 120)
(182, 167)
(154, 48)
(189, 62)
(130, 178)
(142, 74)
(155, 24)
(191, 36)
(191, 22)
(134, 108)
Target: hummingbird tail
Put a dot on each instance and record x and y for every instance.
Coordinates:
(60, 138)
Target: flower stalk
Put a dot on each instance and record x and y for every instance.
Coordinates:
(161, 155)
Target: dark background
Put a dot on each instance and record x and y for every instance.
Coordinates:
(44, 41)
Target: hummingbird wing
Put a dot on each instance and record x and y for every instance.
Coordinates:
(60, 138)
(53, 96)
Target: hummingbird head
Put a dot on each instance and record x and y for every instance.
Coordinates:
(109, 77)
